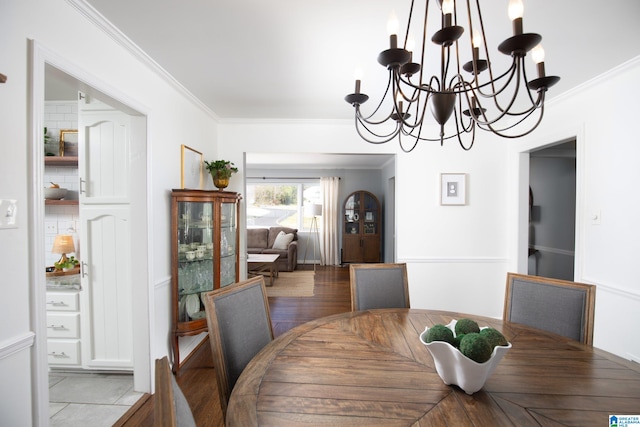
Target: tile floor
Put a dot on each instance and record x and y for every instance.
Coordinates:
(89, 399)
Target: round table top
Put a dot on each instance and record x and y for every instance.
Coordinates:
(370, 368)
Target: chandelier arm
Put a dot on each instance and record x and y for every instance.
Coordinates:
(472, 120)
(500, 133)
(406, 35)
(504, 111)
(415, 143)
(417, 121)
(486, 47)
(509, 74)
(464, 130)
(368, 120)
(382, 138)
(384, 96)
(534, 103)
(526, 85)
(424, 42)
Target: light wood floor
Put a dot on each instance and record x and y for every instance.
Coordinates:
(197, 377)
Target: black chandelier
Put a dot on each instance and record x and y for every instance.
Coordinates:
(476, 98)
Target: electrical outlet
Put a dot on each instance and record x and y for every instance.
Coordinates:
(8, 213)
(51, 227)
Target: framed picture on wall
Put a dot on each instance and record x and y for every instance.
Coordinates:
(69, 142)
(191, 168)
(453, 189)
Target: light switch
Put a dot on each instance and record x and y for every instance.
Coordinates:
(8, 213)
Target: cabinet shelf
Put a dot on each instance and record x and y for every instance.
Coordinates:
(62, 202)
(61, 160)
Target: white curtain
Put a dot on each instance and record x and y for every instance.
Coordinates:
(330, 211)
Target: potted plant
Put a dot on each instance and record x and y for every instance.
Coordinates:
(66, 264)
(221, 171)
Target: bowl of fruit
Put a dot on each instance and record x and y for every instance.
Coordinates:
(464, 353)
(54, 192)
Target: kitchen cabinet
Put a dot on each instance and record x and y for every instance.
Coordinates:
(361, 234)
(63, 321)
(204, 256)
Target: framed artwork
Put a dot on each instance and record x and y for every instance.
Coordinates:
(453, 189)
(69, 142)
(191, 170)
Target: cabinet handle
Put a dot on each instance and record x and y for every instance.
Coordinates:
(57, 303)
(83, 269)
(58, 355)
(57, 328)
(80, 187)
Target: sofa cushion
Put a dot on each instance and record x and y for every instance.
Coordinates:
(257, 238)
(282, 240)
(274, 231)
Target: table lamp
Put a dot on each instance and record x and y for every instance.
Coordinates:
(63, 244)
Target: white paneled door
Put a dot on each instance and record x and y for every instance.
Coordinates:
(105, 230)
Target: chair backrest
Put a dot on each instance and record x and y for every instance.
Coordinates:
(239, 327)
(170, 408)
(559, 306)
(379, 286)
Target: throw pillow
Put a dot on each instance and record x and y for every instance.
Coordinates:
(282, 240)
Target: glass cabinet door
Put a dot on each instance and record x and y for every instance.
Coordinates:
(228, 249)
(352, 214)
(195, 257)
(370, 212)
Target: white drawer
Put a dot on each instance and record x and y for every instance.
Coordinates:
(63, 352)
(63, 325)
(62, 301)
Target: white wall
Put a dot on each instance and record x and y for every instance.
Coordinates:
(446, 247)
(458, 256)
(602, 114)
(173, 118)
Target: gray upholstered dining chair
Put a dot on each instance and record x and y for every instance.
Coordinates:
(171, 408)
(380, 285)
(239, 327)
(559, 306)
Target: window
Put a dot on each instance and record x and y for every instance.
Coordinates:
(281, 204)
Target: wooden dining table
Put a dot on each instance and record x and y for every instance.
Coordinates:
(370, 368)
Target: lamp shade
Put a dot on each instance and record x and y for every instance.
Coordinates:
(63, 244)
(315, 209)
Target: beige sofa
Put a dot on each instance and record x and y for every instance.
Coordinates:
(261, 240)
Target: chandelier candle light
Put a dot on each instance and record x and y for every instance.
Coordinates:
(478, 98)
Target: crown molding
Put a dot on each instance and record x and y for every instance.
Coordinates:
(120, 38)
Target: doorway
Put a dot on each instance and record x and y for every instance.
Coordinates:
(552, 211)
(47, 67)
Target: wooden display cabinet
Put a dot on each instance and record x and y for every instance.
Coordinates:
(361, 233)
(204, 256)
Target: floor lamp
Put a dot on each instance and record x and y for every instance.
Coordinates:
(315, 210)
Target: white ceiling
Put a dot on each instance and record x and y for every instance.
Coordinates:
(294, 59)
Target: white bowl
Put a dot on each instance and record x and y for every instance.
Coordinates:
(456, 368)
(54, 193)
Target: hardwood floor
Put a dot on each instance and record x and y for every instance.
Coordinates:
(197, 377)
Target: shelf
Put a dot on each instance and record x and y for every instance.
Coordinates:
(61, 161)
(62, 202)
